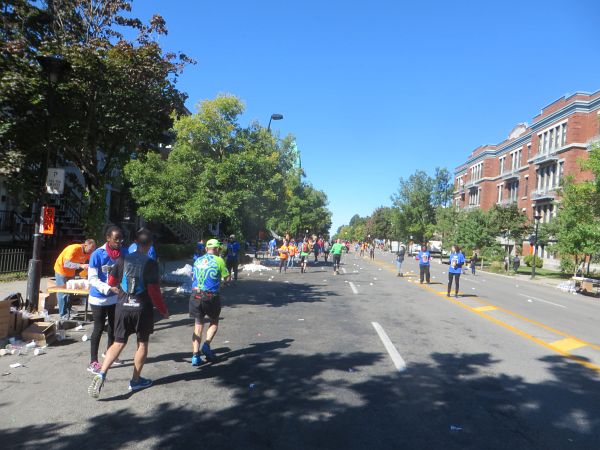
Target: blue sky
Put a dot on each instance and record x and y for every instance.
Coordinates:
(376, 90)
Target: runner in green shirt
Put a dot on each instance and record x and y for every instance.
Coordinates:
(336, 251)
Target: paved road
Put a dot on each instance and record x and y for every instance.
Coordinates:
(316, 361)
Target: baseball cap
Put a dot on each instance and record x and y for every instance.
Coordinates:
(213, 243)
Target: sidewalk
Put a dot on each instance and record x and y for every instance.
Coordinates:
(10, 287)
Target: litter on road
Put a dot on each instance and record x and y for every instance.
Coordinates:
(15, 365)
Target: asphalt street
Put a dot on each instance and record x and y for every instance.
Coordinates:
(363, 360)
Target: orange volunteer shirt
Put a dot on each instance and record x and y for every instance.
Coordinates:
(73, 253)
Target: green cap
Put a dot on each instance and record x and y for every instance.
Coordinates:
(213, 243)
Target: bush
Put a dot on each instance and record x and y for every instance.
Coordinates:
(539, 262)
(567, 265)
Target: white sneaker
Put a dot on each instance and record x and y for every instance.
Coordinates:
(116, 362)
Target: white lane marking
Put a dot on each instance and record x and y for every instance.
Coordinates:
(392, 351)
(353, 287)
(540, 300)
(344, 269)
(469, 279)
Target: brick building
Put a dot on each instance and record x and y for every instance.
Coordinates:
(527, 168)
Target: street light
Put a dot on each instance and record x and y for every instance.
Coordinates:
(537, 223)
(54, 67)
(274, 117)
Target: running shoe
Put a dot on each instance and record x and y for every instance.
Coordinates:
(196, 360)
(208, 353)
(94, 367)
(96, 386)
(116, 362)
(141, 383)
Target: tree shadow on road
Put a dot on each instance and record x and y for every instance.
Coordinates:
(280, 400)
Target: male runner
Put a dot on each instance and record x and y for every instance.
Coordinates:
(424, 263)
(205, 300)
(304, 252)
(136, 276)
(232, 256)
(336, 251)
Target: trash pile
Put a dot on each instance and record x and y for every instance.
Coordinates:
(181, 277)
(18, 348)
(253, 268)
(567, 286)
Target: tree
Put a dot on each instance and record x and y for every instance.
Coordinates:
(220, 172)
(379, 224)
(414, 199)
(508, 221)
(578, 220)
(117, 101)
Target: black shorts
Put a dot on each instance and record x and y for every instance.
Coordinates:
(205, 304)
(337, 258)
(138, 322)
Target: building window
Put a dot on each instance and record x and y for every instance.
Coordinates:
(501, 160)
(500, 193)
(564, 134)
(526, 186)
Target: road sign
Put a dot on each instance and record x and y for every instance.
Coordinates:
(55, 182)
(47, 220)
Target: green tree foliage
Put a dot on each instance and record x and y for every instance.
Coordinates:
(380, 223)
(508, 221)
(118, 97)
(578, 220)
(220, 172)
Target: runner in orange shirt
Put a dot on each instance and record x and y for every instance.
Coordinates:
(293, 250)
(284, 252)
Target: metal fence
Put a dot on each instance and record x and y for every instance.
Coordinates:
(13, 260)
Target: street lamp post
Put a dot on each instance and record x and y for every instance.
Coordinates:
(54, 67)
(535, 248)
(274, 117)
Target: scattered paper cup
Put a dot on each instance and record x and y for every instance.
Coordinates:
(84, 337)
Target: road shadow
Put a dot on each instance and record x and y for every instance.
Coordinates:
(281, 400)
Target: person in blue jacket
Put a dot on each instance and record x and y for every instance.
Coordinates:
(424, 262)
(457, 260)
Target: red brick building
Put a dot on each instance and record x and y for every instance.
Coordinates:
(527, 168)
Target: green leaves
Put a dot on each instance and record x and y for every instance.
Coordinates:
(218, 171)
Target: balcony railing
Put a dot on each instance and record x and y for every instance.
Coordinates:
(471, 183)
(510, 174)
(546, 157)
(543, 194)
(471, 207)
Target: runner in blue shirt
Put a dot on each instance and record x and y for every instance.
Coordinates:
(272, 246)
(424, 262)
(457, 260)
(232, 256)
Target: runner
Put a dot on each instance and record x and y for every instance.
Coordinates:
(133, 247)
(103, 297)
(457, 260)
(304, 252)
(362, 249)
(372, 252)
(326, 249)
(232, 256)
(474, 261)
(136, 276)
(336, 251)
(424, 262)
(284, 252)
(272, 245)
(205, 300)
(400, 259)
(74, 257)
(293, 249)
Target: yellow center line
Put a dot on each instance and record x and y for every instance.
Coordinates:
(561, 347)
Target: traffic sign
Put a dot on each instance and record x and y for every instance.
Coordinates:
(55, 181)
